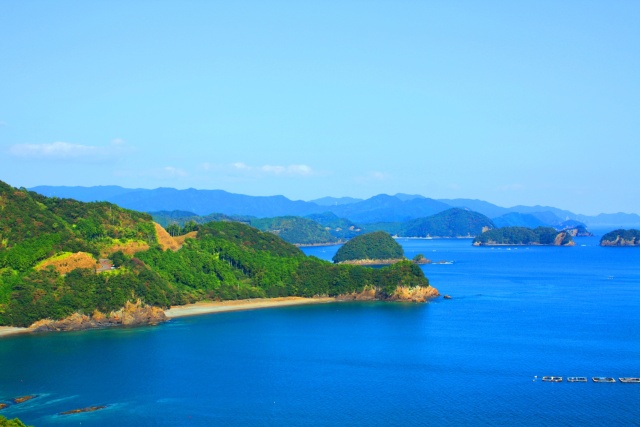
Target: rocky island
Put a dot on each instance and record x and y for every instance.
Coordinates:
(547, 236)
(379, 248)
(621, 238)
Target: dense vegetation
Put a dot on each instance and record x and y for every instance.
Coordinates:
(523, 236)
(369, 246)
(621, 238)
(34, 227)
(295, 229)
(15, 422)
(181, 218)
(227, 260)
(292, 229)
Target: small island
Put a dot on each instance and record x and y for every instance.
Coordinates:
(522, 236)
(621, 238)
(377, 248)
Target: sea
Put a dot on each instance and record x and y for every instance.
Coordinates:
(516, 314)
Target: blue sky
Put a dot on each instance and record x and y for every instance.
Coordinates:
(510, 102)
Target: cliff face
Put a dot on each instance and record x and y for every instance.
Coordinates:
(402, 293)
(619, 241)
(561, 240)
(131, 314)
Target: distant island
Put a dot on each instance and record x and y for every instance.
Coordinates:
(524, 236)
(621, 238)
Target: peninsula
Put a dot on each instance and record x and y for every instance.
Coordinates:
(96, 265)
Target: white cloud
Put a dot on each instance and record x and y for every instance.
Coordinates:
(278, 170)
(117, 141)
(170, 171)
(241, 166)
(67, 151)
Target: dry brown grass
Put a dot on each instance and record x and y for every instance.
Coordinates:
(181, 239)
(164, 239)
(68, 262)
(128, 248)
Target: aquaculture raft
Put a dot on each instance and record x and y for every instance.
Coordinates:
(603, 380)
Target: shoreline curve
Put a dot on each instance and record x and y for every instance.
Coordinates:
(199, 308)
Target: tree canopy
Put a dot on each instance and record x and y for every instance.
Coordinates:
(369, 246)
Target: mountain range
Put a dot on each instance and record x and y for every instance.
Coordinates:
(377, 209)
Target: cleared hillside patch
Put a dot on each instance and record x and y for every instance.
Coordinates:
(165, 240)
(128, 248)
(67, 262)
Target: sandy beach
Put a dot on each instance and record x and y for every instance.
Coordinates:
(236, 305)
(10, 330)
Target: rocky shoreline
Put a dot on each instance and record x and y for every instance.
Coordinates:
(132, 314)
(401, 294)
(139, 314)
(383, 261)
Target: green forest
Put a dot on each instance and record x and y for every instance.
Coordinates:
(295, 229)
(378, 245)
(523, 236)
(227, 260)
(14, 422)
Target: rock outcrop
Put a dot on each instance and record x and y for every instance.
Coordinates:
(402, 293)
(132, 314)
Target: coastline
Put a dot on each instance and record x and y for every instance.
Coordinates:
(207, 307)
(238, 305)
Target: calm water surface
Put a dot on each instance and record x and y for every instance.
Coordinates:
(472, 360)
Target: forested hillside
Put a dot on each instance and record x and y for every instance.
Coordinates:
(225, 260)
(295, 229)
(450, 223)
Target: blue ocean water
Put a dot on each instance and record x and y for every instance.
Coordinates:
(515, 313)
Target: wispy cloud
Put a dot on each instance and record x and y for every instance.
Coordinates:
(68, 151)
(170, 171)
(295, 170)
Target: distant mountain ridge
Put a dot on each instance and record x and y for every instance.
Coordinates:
(380, 208)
